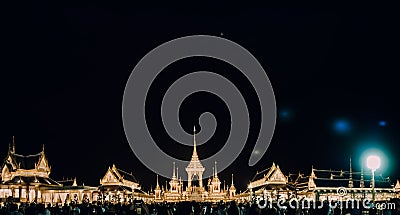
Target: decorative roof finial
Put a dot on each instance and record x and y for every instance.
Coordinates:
(194, 139)
(194, 155)
(13, 143)
(74, 183)
(158, 185)
(312, 172)
(351, 185)
(173, 171)
(362, 176)
(215, 164)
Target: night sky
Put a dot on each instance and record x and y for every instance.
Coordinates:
(333, 70)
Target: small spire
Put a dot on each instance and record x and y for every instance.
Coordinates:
(74, 183)
(312, 172)
(215, 164)
(177, 172)
(194, 140)
(173, 171)
(232, 188)
(397, 186)
(158, 185)
(224, 185)
(351, 176)
(13, 143)
(43, 148)
(362, 176)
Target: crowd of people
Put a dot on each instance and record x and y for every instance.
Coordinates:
(188, 208)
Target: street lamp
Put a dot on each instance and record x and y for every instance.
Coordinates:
(373, 162)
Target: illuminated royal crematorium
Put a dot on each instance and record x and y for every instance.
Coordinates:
(26, 178)
(195, 189)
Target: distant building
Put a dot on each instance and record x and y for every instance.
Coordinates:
(343, 185)
(269, 183)
(120, 186)
(25, 178)
(322, 185)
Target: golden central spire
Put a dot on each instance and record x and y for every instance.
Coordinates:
(216, 173)
(194, 143)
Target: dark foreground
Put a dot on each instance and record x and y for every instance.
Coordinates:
(191, 208)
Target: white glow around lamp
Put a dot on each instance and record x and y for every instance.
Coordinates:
(373, 162)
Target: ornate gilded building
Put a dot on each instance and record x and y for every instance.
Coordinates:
(343, 185)
(120, 186)
(321, 185)
(215, 192)
(269, 183)
(195, 189)
(26, 178)
(174, 193)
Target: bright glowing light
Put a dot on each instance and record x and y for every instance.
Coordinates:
(373, 162)
(376, 148)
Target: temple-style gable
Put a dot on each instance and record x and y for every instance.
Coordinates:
(43, 165)
(397, 186)
(5, 173)
(277, 177)
(109, 178)
(118, 185)
(118, 177)
(270, 176)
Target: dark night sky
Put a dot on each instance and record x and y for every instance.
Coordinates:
(65, 68)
